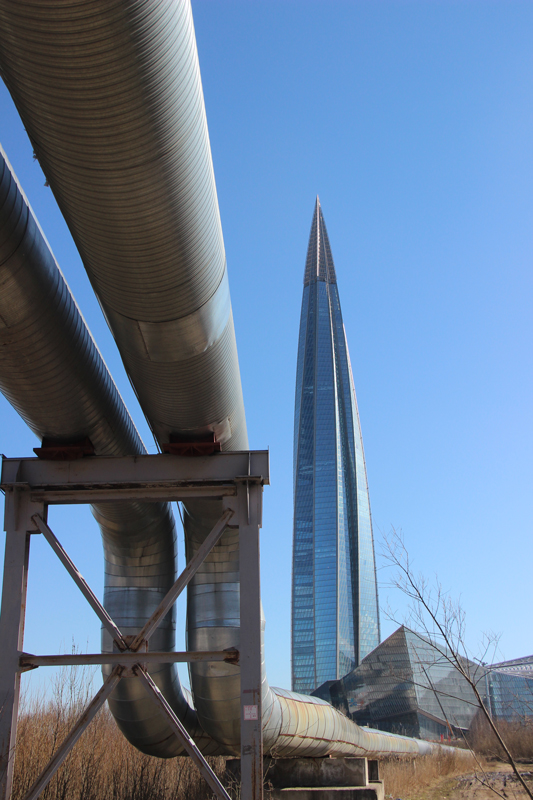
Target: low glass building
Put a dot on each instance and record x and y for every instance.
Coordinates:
(408, 686)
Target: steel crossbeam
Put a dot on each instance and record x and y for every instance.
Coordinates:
(29, 661)
(30, 486)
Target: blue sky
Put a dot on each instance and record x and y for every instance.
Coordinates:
(413, 121)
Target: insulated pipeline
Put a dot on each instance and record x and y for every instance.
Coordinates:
(54, 376)
(111, 96)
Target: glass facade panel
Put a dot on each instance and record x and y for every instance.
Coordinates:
(511, 691)
(335, 618)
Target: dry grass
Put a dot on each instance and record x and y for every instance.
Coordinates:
(518, 737)
(102, 765)
(410, 777)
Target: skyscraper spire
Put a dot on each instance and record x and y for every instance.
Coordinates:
(319, 263)
(335, 618)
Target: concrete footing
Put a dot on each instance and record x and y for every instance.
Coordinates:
(317, 778)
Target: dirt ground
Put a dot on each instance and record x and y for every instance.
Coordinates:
(496, 779)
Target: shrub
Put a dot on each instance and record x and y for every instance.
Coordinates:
(518, 737)
(102, 764)
(404, 777)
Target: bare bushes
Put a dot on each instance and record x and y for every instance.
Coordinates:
(518, 737)
(102, 764)
(404, 777)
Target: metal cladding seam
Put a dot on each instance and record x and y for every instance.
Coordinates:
(110, 94)
(52, 373)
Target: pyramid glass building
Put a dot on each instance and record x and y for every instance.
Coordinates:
(409, 687)
(335, 620)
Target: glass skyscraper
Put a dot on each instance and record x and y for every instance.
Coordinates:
(335, 619)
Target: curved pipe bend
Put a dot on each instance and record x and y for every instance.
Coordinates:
(54, 376)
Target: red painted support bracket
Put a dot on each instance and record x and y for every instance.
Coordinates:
(57, 450)
(181, 447)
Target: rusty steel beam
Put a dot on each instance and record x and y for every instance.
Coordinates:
(250, 520)
(18, 528)
(29, 661)
(181, 733)
(136, 492)
(80, 582)
(167, 472)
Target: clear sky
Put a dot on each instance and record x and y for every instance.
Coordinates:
(413, 121)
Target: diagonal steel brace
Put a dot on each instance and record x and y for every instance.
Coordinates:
(188, 743)
(83, 722)
(124, 644)
(186, 576)
(80, 582)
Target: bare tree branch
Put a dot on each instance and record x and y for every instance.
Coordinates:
(434, 615)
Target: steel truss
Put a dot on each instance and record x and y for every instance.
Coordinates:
(30, 486)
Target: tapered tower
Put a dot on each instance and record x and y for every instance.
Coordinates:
(335, 618)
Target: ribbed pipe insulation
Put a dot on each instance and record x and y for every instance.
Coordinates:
(110, 94)
(54, 376)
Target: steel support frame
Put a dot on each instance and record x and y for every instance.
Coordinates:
(30, 485)
(250, 509)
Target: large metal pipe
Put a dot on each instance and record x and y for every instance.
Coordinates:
(110, 94)
(54, 376)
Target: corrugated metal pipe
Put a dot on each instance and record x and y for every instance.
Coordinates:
(111, 96)
(54, 376)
